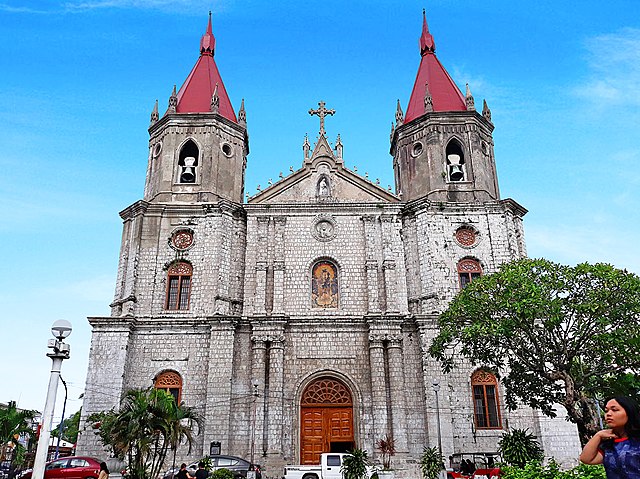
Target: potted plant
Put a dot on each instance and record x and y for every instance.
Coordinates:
(356, 465)
(387, 449)
(431, 463)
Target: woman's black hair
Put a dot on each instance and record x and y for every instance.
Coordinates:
(103, 467)
(631, 407)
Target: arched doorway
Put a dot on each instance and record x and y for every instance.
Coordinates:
(326, 419)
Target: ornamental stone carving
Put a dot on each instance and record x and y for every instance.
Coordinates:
(181, 240)
(324, 228)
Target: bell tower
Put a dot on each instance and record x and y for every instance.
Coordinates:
(442, 147)
(198, 148)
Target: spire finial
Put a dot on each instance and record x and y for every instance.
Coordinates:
(208, 42)
(173, 101)
(486, 112)
(471, 104)
(242, 114)
(427, 44)
(321, 112)
(339, 147)
(305, 148)
(428, 99)
(393, 130)
(215, 100)
(154, 114)
(399, 115)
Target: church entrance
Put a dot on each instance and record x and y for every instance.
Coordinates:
(326, 419)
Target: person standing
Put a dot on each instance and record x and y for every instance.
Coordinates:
(104, 471)
(201, 473)
(183, 473)
(618, 447)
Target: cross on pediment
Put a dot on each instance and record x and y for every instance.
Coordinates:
(321, 112)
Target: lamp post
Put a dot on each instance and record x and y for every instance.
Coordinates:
(60, 351)
(436, 387)
(252, 473)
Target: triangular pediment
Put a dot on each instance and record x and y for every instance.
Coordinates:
(323, 179)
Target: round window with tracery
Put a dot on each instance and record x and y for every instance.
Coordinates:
(182, 239)
(466, 236)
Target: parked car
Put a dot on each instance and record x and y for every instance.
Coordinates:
(479, 465)
(74, 467)
(237, 465)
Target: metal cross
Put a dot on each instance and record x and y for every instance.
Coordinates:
(321, 112)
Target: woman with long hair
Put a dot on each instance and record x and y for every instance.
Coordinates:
(104, 471)
(618, 446)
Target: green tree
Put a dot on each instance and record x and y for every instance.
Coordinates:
(69, 428)
(518, 446)
(559, 334)
(144, 428)
(15, 422)
(356, 465)
(431, 463)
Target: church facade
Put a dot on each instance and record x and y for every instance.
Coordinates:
(298, 321)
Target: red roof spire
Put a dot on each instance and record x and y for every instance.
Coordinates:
(208, 42)
(196, 92)
(426, 39)
(444, 94)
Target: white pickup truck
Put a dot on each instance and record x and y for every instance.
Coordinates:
(329, 468)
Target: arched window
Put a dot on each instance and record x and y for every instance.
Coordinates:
(455, 161)
(188, 162)
(324, 285)
(179, 286)
(486, 405)
(468, 270)
(171, 382)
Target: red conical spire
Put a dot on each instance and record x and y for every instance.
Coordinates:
(208, 42)
(426, 39)
(443, 92)
(197, 91)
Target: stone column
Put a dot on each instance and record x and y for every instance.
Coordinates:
(390, 285)
(276, 391)
(378, 385)
(256, 425)
(398, 391)
(373, 287)
(278, 266)
(260, 305)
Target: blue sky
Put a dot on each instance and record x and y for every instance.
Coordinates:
(79, 79)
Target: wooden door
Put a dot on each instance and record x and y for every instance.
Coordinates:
(326, 423)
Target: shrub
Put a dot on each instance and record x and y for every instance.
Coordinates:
(519, 446)
(431, 463)
(222, 474)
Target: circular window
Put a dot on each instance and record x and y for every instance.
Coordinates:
(417, 149)
(157, 148)
(182, 239)
(226, 149)
(466, 236)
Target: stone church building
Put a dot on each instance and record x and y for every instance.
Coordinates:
(297, 321)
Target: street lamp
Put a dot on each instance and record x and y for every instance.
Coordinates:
(252, 473)
(436, 387)
(60, 351)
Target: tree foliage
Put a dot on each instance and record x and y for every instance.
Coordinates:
(518, 446)
(14, 423)
(386, 446)
(70, 427)
(147, 424)
(551, 470)
(431, 463)
(355, 465)
(558, 334)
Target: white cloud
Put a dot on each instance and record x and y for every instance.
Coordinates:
(21, 9)
(614, 63)
(166, 5)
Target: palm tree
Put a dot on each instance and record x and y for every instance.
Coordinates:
(15, 422)
(148, 423)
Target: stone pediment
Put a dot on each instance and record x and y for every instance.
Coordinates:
(323, 178)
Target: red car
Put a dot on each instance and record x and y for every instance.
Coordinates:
(76, 467)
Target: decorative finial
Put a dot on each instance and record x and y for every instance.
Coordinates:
(427, 45)
(471, 104)
(399, 115)
(321, 112)
(428, 99)
(281, 175)
(339, 147)
(291, 169)
(154, 114)
(242, 115)
(486, 112)
(173, 101)
(393, 131)
(215, 100)
(377, 181)
(208, 41)
(270, 182)
(258, 187)
(306, 147)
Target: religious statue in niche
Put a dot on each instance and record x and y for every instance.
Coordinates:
(323, 187)
(324, 285)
